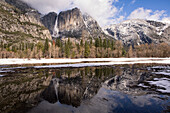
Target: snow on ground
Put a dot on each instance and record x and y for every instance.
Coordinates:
(158, 67)
(94, 64)
(105, 61)
(161, 82)
(162, 73)
(1, 75)
(142, 85)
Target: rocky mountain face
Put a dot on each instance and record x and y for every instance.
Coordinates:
(127, 80)
(49, 21)
(21, 23)
(138, 32)
(18, 26)
(93, 27)
(24, 8)
(72, 23)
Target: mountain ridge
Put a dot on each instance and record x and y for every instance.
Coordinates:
(138, 31)
(20, 27)
(75, 24)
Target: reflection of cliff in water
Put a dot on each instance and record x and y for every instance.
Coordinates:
(71, 86)
(127, 81)
(19, 91)
(99, 89)
(89, 89)
(135, 81)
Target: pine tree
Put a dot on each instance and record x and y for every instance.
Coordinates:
(46, 47)
(2, 45)
(61, 50)
(87, 50)
(97, 42)
(81, 43)
(105, 44)
(53, 52)
(23, 46)
(112, 44)
(67, 49)
(14, 49)
(91, 42)
(123, 52)
(78, 47)
(108, 44)
(57, 42)
(100, 42)
(32, 46)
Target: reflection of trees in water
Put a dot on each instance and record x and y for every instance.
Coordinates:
(20, 90)
(127, 81)
(76, 84)
(81, 88)
(69, 86)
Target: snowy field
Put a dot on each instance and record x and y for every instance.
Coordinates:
(102, 61)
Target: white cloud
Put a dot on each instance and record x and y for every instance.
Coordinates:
(148, 14)
(140, 13)
(166, 20)
(46, 6)
(118, 20)
(102, 10)
(133, 1)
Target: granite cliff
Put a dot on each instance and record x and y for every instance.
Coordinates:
(72, 23)
(49, 21)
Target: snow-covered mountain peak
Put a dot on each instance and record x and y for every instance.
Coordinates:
(138, 31)
(133, 21)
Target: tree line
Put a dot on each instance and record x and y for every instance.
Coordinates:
(92, 48)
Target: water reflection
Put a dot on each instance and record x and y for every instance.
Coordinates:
(71, 86)
(104, 89)
(20, 90)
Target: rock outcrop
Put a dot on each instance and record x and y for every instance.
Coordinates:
(24, 8)
(17, 26)
(93, 27)
(71, 23)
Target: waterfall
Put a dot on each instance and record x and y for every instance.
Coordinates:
(56, 30)
(56, 85)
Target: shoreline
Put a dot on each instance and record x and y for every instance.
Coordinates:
(85, 61)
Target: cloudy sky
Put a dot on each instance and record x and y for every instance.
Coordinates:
(109, 11)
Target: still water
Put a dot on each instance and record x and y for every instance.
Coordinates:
(105, 89)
